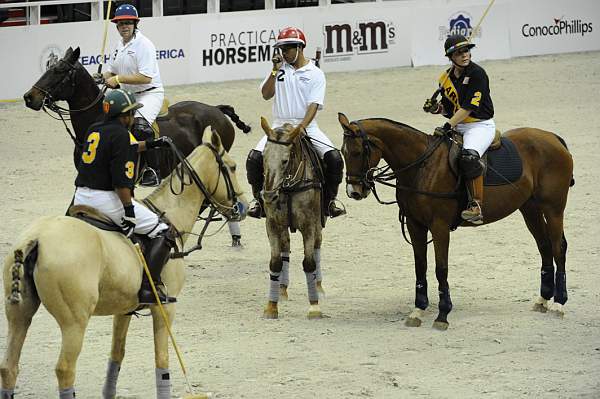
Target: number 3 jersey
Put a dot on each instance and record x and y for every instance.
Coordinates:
(108, 157)
(471, 91)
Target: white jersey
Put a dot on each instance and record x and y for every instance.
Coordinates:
(137, 56)
(295, 90)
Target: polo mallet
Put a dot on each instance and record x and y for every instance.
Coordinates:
(473, 33)
(190, 394)
(105, 34)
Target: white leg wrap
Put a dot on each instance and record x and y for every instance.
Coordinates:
(67, 393)
(234, 228)
(311, 283)
(109, 391)
(274, 287)
(417, 314)
(318, 262)
(163, 384)
(285, 269)
(7, 393)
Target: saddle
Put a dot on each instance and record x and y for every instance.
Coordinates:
(501, 162)
(92, 216)
(162, 114)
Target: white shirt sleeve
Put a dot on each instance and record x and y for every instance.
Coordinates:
(146, 60)
(317, 90)
(110, 67)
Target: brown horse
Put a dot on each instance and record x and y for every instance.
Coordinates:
(69, 81)
(427, 195)
(292, 196)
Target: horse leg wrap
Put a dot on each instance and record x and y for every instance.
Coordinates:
(445, 305)
(274, 287)
(285, 269)
(547, 285)
(163, 384)
(67, 393)
(234, 229)
(109, 391)
(7, 393)
(318, 263)
(421, 299)
(560, 293)
(311, 283)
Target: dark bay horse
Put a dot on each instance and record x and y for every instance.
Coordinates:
(292, 196)
(69, 81)
(426, 193)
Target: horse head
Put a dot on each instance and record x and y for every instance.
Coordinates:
(361, 154)
(58, 82)
(282, 143)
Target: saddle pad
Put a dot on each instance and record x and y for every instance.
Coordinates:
(503, 165)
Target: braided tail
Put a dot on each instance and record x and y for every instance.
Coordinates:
(230, 112)
(18, 272)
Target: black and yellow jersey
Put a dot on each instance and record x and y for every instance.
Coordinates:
(471, 91)
(108, 157)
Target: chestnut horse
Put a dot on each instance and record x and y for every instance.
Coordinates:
(69, 81)
(426, 193)
(77, 271)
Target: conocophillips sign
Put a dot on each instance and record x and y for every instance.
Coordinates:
(560, 26)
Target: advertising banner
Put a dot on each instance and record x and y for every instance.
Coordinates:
(554, 26)
(431, 26)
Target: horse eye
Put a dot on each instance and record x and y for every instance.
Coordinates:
(285, 161)
(234, 168)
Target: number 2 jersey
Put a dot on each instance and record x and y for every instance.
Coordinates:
(108, 157)
(471, 91)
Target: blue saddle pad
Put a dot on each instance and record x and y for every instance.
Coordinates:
(503, 165)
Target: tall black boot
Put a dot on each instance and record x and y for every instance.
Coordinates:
(150, 161)
(157, 255)
(334, 170)
(256, 178)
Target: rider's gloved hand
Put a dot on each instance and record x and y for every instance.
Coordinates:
(445, 130)
(98, 78)
(128, 221)
(162, 141)
(431, 106)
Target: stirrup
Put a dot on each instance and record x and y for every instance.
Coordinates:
(334, 211)
(256, 211)
(146, 296)
(149, 177)
(473, 213)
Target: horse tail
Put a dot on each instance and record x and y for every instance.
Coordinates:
(22, 269)
(230, 112)
(564, 143)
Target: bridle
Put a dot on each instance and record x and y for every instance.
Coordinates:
(233, 212)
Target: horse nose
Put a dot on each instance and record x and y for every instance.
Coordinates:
(30, 100)
(355, 195)
(27, 98)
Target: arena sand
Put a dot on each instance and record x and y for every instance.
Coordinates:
(495, 346)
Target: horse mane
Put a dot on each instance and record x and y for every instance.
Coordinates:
(396, 123)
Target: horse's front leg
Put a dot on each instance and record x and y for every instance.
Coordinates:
(418, 237)
(309, 236)
(117, 353)
(441, 240)
(161, 349)
(277, 240)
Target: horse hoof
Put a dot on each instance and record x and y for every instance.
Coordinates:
(314, 314)
(283, 294)
(538, 307)
(440, 325)
(270, 314)
(413, 322)
(557, 310)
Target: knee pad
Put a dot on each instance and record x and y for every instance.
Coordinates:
(254, 168)
(141, 129)
(334, 166)
(470, 164)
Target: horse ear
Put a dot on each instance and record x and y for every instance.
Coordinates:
(265, 125)
(343, 120)
(215, 139)
(75, 56)
(206, 135)
(68, 53)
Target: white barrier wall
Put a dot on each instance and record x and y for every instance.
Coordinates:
(229, 46)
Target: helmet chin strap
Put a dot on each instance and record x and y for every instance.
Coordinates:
(296, 57)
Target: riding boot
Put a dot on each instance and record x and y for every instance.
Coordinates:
(157, 255)
(334, 169)
(473, 213)
(142, 131)
(255, 174)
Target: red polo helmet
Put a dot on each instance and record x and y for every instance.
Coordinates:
(125, 12)
(290, 35)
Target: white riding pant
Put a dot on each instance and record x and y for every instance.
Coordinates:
(320, 142)
(153, 101)
(477, 135)
(109, 204)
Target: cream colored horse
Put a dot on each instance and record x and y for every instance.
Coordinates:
(78, 271)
